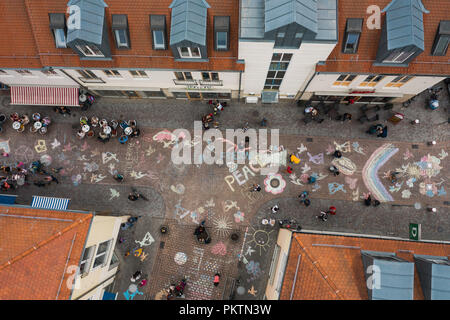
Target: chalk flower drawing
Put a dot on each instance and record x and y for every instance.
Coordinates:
(275, 184)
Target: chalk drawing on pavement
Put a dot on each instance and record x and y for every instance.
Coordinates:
(114, 194)
(40, 147)
(148, 240)
(180, 258)
(222, 225)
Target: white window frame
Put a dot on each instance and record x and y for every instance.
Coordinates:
(88, 260)
(112, 73)
(105, 254)
(3, 73)
(140, 74)
(92, 53)
(125, 44)
(24, 73)
(155, 43)
(58, 43)
(394, 60)
(221, 46)
(190, 56)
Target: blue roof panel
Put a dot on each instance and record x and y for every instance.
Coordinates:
(404, 23)
(188, 21)
(279, 13)
(440, 282)
(92, 13)
(396, 280)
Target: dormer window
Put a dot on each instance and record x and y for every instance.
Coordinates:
(187, 52)
(398, 57)
(352, 34)
(121, 32)
(442, 39)
(90, 50)
(58, 27)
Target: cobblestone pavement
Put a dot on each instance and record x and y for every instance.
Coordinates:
(180, 196)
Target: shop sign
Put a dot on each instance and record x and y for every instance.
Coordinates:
(361, 91)
(198, 87)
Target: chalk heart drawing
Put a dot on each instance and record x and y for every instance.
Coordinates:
(219, 249)
(180, 258)
(148, 240)
(345, 165)
(41, 146)
(4, 145)
(178, 189)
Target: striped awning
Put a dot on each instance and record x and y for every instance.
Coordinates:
(45, 96)
(50, 203)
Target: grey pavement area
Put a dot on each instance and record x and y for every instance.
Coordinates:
(285, 116)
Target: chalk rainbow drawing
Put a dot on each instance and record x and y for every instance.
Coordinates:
(370, 171)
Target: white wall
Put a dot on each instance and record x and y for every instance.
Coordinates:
(324, 82)
(257, 56)
(37, 78)
(155, 81)
(103, 229)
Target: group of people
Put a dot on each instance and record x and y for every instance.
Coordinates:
(106, 130)
(379, 130)
(12, 177)
(209, 119)
(202, 234)
(38, 123)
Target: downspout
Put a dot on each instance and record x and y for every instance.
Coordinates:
(239, 92)
(307, 85)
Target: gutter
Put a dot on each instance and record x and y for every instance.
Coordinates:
(239, 92)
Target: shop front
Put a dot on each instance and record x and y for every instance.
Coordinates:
(201, 94)
(355, 96)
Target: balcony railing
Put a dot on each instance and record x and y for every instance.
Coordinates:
(185, 82)
(211, 82)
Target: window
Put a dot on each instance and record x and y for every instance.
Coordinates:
(102, 254)
(299, 35)
(50, 73)
(221, 33)
(158, 39)
(281, 35)
(24, 72)
(399, 81)
(86, 260)
(121, 38)
(398, 57)
(442, 39)
(353, 31)
(60, 38)
(119, 26)
(87, 74)
(158, 28)
(210, 76)
(183, 76)
(344, 80)
(90, 51)
(138, 74)
(277, 70)
(221, 40)
(154, 94)
(112, 73)
(3, 72)
(371, 81)
(58, 27)
(188, 52)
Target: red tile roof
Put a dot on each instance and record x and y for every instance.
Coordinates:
(362, 61)
(331, 272)
(27, 24)
(36, 248)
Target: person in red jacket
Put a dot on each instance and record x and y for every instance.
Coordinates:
(216, 279)
(332, 210)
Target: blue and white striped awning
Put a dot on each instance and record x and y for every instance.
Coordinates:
(50, 203)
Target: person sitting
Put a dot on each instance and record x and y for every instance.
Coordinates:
(275, 208)
(337, 154)
(368, 200)
(294, 159)
(136, 133)
(311, 179)
(334, 170)
(382, 133)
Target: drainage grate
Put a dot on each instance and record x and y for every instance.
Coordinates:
(415, 146)
(162, 244)
(309, 139)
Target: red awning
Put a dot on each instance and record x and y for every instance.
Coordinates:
(45, 96)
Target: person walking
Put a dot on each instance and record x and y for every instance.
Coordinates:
(275, 209)
(337, 154)
(136, 276)
(264, 122)
(133, 196)
(323, 216)
(118, 177)
(334, 170)
(216, 279)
